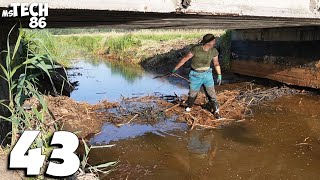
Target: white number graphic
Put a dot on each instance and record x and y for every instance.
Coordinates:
(42, 22)
(33, 161)
(71, 161)
(33, 22)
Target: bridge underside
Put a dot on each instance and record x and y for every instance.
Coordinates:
(139, 20)
(275, 48)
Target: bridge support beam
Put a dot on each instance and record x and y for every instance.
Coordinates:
(288, 55)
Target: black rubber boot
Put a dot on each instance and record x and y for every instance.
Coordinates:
(214, 105)
(217, 116)
(190, 101)
(214, 108)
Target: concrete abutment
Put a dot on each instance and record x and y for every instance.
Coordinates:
(288, 55)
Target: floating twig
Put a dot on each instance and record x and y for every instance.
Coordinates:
(132, 118)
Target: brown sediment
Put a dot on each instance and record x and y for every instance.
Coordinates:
(152, 53)
(5, 174)
(73, 116)
(301, 76)
(125, 169)
(80, 118)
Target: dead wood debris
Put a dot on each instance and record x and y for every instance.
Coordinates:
(236, 106)
(87, 119)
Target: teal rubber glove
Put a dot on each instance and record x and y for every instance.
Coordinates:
(219, 80)
(174, 71)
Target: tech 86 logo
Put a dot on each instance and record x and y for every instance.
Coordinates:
(37, 11)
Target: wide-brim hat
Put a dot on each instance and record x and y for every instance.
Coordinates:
(207, 38)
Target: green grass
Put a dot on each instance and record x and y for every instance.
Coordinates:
(61, 52)
(132, 46)
(65, 31)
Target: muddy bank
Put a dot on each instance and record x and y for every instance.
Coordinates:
(5, 174)
(163, 57)
(70, 115)
(282, 73)
(282, 55)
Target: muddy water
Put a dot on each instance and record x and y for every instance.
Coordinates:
(282, 141)
(105, 80)
(112, 133)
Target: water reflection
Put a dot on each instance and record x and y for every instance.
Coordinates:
(112, 133)
(128, 72)
(200, 142)
(101, 80)
(240, 134)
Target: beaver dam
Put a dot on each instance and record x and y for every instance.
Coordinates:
(86, 119)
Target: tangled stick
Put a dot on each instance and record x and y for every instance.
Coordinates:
(194, 122)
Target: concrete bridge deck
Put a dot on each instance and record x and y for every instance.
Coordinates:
(226, 14)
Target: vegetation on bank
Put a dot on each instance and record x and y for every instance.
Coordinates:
(133, 47)
(224, 47)
(23, 64)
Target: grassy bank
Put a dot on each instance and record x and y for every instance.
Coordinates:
(23, 65)
(126, 46)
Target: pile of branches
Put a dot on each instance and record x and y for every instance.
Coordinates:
(142, 110)
(256, 96)
(236, 106)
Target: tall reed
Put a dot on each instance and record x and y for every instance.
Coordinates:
(19, 67)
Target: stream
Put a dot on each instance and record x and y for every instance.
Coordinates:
(281, 141)
(111, 81)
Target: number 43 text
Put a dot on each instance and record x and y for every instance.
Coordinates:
(34, 160)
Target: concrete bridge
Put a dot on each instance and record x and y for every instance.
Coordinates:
(226, 14)
(279, 40)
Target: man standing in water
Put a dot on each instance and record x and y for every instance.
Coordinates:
(201, 72)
